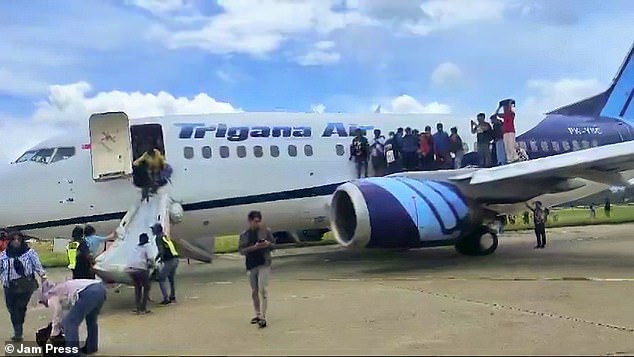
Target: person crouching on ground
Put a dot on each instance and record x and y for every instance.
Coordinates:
(256, 244)
(139, 269)
(85, 297)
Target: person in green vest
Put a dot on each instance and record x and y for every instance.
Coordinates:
(79, 258)
(169, 257)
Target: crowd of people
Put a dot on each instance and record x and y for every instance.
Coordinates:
(410, 150)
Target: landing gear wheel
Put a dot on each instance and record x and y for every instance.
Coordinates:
(482, 242)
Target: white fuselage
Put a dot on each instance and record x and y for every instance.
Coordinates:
(292, 191)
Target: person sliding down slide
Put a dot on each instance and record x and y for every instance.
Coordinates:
(153, 163)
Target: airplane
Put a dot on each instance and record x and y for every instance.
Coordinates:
(295, 168)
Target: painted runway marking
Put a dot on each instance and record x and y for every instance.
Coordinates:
(522, 310)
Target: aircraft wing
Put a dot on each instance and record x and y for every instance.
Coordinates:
(609, 165)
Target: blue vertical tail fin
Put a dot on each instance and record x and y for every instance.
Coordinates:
(620, 100)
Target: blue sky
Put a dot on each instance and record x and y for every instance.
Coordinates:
(149, 57)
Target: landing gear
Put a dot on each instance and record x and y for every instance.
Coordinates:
(483, 241)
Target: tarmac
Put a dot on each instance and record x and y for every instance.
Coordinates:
(575, 297)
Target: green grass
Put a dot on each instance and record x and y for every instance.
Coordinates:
(564, 218)
(567, 217)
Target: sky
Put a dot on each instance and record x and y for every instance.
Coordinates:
(62, 61)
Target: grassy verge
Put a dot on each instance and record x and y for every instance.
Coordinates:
(558, 218)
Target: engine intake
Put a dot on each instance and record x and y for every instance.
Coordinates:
(392, 212)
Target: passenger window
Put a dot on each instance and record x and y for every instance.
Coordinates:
(63, 154)
(257, 151)
(242, 151)
(555, 145)
(275, 151)
(340, 149)
(292, 150)
(585, 144)
(566, 145)
(523, 145)
(533, 145)
(188, 152)
(594, 143)
(308, 150)
(575, 145)
(224, 152)
(206, 151)
(544, 146)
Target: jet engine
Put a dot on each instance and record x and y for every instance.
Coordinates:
(402, 212)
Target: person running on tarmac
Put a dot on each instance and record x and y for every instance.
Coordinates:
(86, 298)
(155, 162)
(359, 150)
(139, 269)
(539, 219)
(95, 242)
(79, 258)
(256, 244)
(18, 266)
(169, 257)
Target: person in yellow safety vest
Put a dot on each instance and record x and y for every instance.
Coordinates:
(79, 259)
(169, 256)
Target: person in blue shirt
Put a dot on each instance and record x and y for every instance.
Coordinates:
(442, 146)
(95, 242)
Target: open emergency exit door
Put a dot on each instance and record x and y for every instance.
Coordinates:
(110, 145)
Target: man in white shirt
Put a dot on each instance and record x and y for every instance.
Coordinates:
(85, 297)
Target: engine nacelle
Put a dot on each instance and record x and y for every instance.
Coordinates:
(176, 212)
(395, 212)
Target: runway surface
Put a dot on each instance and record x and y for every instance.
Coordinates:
(574, 297)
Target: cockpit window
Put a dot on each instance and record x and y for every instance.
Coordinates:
(47, 156)
(63, 154)
(43, 156)
(26, 156)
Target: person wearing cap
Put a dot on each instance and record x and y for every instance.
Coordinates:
(139, 267)
(84, 298)
(169, 257)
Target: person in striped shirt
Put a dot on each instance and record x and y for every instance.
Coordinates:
(18, 266)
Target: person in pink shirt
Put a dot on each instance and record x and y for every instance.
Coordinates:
(85, 297)
(508, 116)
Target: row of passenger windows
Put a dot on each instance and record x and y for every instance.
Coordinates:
(258, 151)
(557, 146)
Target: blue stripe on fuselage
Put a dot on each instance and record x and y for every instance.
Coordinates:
(317, 191)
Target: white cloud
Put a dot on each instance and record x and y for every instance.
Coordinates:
(405, 104)
(68, 105)
(318, 108)
(547, 95)
(72, 102)
(14, 83)
(446, 73)
(259, 27)
(445, 14)
(321, 54)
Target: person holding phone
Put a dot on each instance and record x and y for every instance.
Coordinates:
(256, 244)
